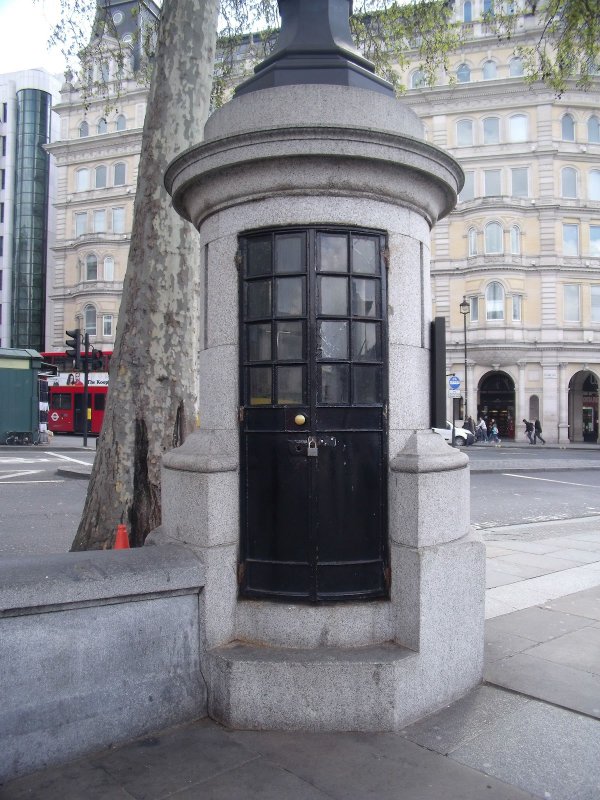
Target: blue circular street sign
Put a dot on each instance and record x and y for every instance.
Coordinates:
(454, 382)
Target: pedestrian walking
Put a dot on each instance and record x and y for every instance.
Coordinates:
(537, 432)
(529, 430)
(481, 430)
(469, 425)
(493, 435)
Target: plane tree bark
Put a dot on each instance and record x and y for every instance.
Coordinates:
(153, 374)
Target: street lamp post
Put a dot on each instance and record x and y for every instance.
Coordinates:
(464, 310)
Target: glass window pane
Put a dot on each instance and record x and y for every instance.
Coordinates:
(365, 385)
(595, 240)
(518, 128)
(366, 341)
(569, 182)
(100, 177)
(571, 294)
(463, 73)
(516, 308)
(493, 238)
(119, 175)
(494, 299)
(474, 306)
(333, 252)
(594, 129)
(489, 70)
(258, 299)
(520, 187)
(568, 128)
(364, 298)
(468, 190)
(290, 297)
(364, 255)
(259, 342)
(492, 182)
(570, 240)
(333, 339)
(109, 268)
(333, 296)
(334, 386)
(491, 130)
(516, 68)
(594, 185)
(595, 303)
(259, 256)
(464, 132)
(290, 385)
(472, 242)
(289, 341)
(259, 386)
(290, 253)
(515, 240)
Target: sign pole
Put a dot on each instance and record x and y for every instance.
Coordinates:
(86, 370)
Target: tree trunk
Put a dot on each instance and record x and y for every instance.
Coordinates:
(153, 373)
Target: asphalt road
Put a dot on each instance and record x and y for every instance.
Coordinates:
(40, 509)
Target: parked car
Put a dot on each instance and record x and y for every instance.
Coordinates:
(461, 435)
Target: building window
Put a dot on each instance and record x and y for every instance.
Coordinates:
(463, 73)
(3, 145)
(569, 182)
(80, 224)
(494, 301)
(570, 240)
(488, 6)
(517, 127)
(91, 268)
(474, 309)
(515, 68)
(472, 239)
(594, 184)
(489, 70)
(571, 299)
(109, 268)
(119, 174)
(121, 123)
(2, 179)
(1, 246)
(595, 240)
(493, 238)
(567, 126)
(89, 318)
(100, 177)
(4, 112)
(468, 190)
(100, 221)
(118, 215)
(107, 325)
(1, 212)
(417, 79)
(82, 180)
(520, 181)
(104, 77)
(595, 304)
(84, 130)
(491, 130)
(467, 11)
(491, 182)
(594, 130)
(515, 240)
(517, 302)
(102, 126)
(464, 132)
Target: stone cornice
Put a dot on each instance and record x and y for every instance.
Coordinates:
(74, 151)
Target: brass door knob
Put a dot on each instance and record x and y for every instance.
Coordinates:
(299, 419)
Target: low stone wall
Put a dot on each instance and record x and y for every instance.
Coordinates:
(95, 648)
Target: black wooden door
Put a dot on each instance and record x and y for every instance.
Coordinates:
(313, 384)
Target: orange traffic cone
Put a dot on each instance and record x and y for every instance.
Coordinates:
(122, 539)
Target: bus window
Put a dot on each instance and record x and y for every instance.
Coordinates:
(61, 400)
(99, 402)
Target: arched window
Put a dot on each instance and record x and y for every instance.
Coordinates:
(109, 268)
(119, 174)
(100, 176)
(594, 184)
(121, 123)
(89, 320)
(84, 130)
(569, 182)
(102, 126)
(517, 127)
(534, 407)
(515, 240)
(593, 130)
(472, 236)
(515, 67)
(464, 132)
(493, 238)
(467, 11)
(82, 180)
(567, 126)
(489, 70)
(494, 301)
(491, 130)
(91, 268)
(105, 72)
(463, 73)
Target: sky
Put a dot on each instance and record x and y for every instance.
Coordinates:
(24, 30)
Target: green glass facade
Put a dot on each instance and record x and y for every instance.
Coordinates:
(32, 170)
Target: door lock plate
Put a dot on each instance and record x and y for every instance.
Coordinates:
(312, 448)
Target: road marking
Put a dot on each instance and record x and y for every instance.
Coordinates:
(12, 483)
(68, 458)
(7, 460)
(20, 474)
(548, 480)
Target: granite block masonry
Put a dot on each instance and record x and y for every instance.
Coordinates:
(320, 160)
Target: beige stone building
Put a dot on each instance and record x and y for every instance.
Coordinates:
(523, 245)
(97, 157)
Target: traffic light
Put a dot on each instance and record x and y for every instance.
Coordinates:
(96, 361)
(74, 346)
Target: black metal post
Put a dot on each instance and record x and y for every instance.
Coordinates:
(464, 310)
(86, 369)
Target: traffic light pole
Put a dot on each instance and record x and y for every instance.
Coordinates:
(86, 368)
